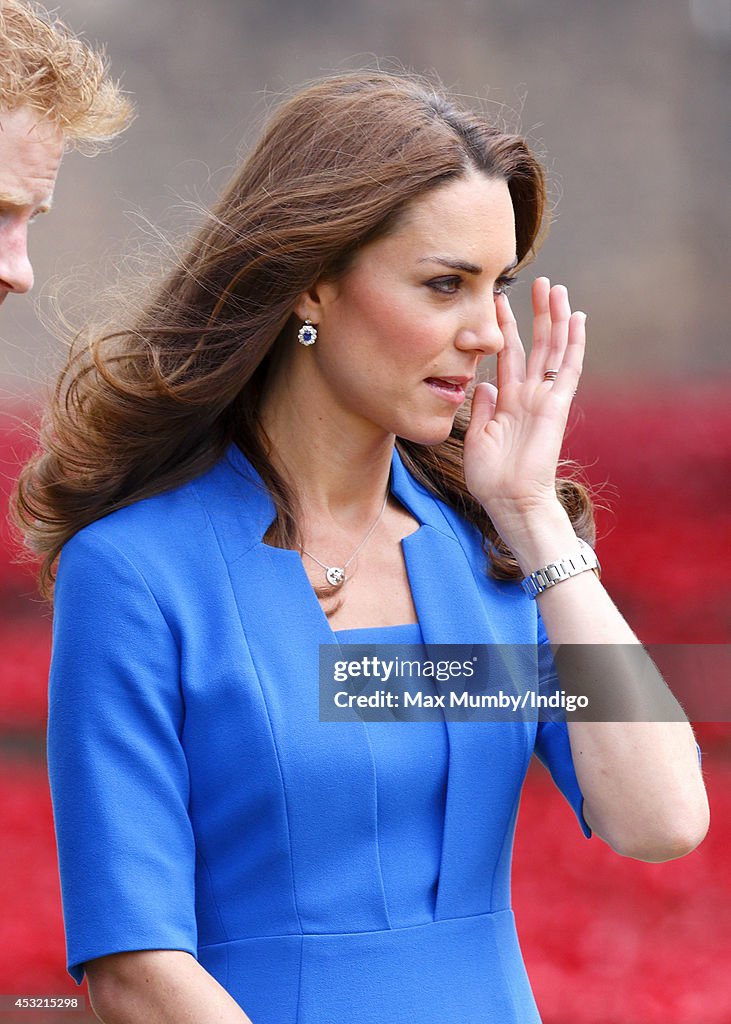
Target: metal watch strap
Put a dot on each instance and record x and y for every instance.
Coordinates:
(553, 573)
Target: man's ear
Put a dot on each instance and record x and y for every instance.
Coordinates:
(312, 304)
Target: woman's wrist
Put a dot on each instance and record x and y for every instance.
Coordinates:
(536, 536)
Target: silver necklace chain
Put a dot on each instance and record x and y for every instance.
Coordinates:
(335, 574)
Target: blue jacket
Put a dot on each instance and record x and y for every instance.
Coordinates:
(200, 803)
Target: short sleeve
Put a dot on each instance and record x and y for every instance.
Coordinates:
(117, 769)
(552, 746)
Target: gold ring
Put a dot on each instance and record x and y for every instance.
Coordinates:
(550, 375)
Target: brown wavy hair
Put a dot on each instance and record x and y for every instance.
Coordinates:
(141, 409)
(44, 66)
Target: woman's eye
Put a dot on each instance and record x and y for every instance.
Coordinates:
(504, 284)
(445, 285)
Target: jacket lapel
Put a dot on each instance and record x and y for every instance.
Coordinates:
(457, 603)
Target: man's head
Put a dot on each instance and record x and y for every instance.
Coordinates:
(54, 94)
(30, 153)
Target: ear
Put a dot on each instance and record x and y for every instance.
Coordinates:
(312, 304)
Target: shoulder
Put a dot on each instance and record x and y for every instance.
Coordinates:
(137, 531)
(176, 515)
(172, 534)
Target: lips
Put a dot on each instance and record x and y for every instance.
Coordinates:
(452, 383)
(452, 389)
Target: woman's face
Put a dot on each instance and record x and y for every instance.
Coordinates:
(401, 334)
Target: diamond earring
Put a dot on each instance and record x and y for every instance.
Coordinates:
(307, 334)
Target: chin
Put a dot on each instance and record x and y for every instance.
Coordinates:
(428, 434)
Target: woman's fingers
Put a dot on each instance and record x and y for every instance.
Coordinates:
(560, 315)
(551, 318)
(559, 339)
(541, 328)
(484, 401)
(511, 361)
(573, 359)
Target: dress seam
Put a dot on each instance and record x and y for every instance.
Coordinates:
(509, 837)
(370, 931)
(374, 769)
(299, 981)
(221, 922)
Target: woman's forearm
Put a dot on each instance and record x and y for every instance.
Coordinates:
(641, 780)
(159, 986)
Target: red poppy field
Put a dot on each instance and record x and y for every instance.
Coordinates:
(606, 940)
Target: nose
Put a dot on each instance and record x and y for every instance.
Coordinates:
(16, 272)
(482, 332)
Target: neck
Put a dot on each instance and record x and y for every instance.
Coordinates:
(338, 468)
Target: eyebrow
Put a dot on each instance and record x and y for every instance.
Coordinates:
(13, 199)
(464, 265)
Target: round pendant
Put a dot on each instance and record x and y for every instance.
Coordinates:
(335, 576)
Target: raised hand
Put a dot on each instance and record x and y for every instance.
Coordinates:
(513, 442)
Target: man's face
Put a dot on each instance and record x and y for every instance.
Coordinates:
(30, 154)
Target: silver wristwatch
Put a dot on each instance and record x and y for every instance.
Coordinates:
(555, 572)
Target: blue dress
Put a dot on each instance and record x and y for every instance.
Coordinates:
(321, 871)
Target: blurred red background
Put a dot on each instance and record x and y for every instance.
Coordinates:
(606, 940)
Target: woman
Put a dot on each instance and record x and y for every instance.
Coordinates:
(279, 451)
